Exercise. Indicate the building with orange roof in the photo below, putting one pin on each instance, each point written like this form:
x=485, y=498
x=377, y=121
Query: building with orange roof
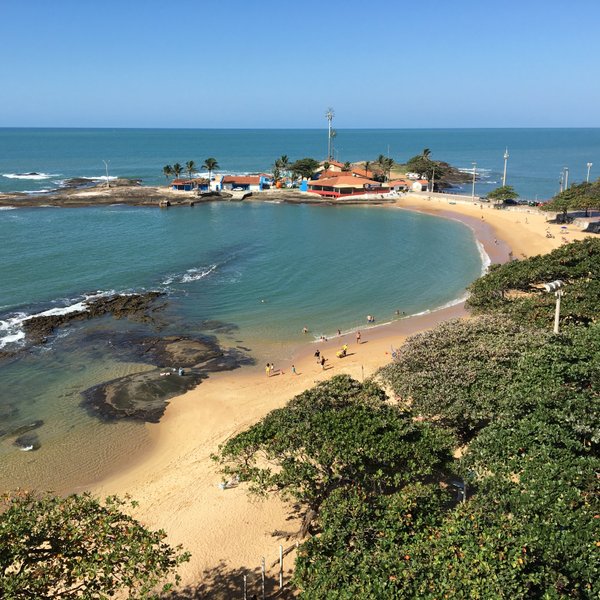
x=252, y=183
x=399, y=185
x=420, y=185
x=344, y=184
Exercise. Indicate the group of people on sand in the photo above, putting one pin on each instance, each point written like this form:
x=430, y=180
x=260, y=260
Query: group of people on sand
x=270, y=370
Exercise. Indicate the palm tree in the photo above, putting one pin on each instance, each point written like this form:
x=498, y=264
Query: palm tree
x=190, y=167
x=426, y=153
x=210, y=164
x=168, y=171
x=177, y=168
x=367, y=167
x=385, y=164
x=282, y=166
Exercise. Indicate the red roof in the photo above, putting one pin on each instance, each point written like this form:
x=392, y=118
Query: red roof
x=345, y=180
x=242, y=179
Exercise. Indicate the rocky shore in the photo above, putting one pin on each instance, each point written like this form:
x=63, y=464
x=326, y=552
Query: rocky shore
x=78, y=193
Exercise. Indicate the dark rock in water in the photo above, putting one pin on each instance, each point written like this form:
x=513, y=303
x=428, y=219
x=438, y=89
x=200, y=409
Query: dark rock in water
x=27, y=442
x=168, y=351
x=178, y=351
x=219, y=326
x=141, y=397
x=22, y=429
x=38, y=329
x=78, y=182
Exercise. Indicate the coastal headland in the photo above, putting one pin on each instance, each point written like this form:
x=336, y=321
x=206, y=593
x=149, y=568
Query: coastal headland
x=176, y=482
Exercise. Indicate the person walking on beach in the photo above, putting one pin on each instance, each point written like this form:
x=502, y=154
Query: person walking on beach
x=358, y=337
x=294, y=370
x=323, y=363
x=318, y=356
x=268, y=369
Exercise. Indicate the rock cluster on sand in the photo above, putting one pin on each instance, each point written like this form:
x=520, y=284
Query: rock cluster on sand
x=144, y=396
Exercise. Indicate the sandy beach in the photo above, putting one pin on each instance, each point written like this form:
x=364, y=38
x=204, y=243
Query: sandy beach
x=177, y=483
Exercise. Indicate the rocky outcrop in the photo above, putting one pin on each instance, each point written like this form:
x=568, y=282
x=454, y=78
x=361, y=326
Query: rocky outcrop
x=39, y=328
x=144, y=396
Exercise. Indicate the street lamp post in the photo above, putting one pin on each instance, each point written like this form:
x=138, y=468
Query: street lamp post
x=589, y=166
x=560, y=181
x=474, y=173
x=556, y=287
x=505, y=162
x=566, y=178
x=106, y=165
x=433, y=180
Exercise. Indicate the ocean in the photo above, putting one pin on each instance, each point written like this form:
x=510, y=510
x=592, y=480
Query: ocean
x=33, y=160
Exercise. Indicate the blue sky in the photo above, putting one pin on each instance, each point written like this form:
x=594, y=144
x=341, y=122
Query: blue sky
x=264, y=63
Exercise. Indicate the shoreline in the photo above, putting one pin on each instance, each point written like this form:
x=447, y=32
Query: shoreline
x=176, y=482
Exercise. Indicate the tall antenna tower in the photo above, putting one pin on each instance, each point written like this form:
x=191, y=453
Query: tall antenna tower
x=329, y=116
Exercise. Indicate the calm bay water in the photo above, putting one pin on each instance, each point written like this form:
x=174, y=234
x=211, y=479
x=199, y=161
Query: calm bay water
x=266, y=269
x=537, y=156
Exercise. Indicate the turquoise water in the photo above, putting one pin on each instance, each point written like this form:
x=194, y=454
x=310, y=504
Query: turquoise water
x=265, y=269
x=537, y=156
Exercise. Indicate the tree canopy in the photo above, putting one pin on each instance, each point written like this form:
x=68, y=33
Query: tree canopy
x=339, y=434
x=304, y=167
x=78, y=547
x=580, y=196
x=502, y=193
x=426, y=167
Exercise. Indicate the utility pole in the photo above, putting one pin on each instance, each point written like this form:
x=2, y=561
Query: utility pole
x=589, y=166
x=329, y=116
x=566, y=178
x=505, y=161
x=474, y=173
x=433, y=180
x=106, y=165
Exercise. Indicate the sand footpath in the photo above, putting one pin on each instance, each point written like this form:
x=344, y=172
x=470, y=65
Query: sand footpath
x=177, y=483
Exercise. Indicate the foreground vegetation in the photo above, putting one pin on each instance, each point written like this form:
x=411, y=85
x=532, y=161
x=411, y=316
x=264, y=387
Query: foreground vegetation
x=389, y=512
x=78, y=547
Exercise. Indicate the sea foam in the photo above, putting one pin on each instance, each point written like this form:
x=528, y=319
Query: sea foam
x=33, y=176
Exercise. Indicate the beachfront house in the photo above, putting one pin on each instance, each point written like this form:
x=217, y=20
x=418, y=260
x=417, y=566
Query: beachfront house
x=399, y=185
x=420, y=185
x=344, y=184
x=247, y=183
x=188, y=185
x=335, y=168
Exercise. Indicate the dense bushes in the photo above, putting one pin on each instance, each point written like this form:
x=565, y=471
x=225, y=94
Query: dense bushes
x=516, y=288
